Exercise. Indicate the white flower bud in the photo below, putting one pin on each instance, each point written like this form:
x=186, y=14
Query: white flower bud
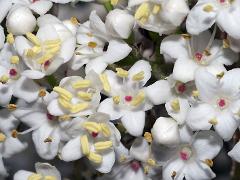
x=20, y=21
x=119, y=23
x=165, y=131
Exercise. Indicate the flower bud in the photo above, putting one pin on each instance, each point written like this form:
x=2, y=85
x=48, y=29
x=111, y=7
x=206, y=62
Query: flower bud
x=20, y=21
x=165, y=131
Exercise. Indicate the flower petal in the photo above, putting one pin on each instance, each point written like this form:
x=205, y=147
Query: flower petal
x=234, y=153
x=140, y=149
x=12, y=146
x=22, y=175
x=41, y=7
x=46, y=169
x=2, y=37
x=7, y=121
x=174, y=165
x=33, y=74
x=108, y=159
x=5, y=6
x=6, y=92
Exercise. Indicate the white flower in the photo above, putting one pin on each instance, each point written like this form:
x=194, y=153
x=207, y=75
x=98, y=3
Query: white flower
x=44, y=52
x=218, y=103
x=235, y=152
x=43, y=171
x=127, y=100
x=95, y=138
x=193, y=52
x=100, y=44
x=205, y=13
x=234, y=44
x=76, y=96
x=162, y=16
x=191, y=159
x=2, y=37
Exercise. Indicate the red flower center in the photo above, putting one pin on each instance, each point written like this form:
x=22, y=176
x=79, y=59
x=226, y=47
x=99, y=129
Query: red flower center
x=33, y=1
x=94, y=134
x=198, y=56
x=135, y=165
x=13, y=72
x=181, y=88
x=46, y=64
x=128, y=98
x=222, y=1
x=50, y=117
x=221, y=103
x=184, y=156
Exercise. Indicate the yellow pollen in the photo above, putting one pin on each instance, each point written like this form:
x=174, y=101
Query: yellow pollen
x=142, y=13
x=175, y=105
x=85, y=145
x=220, y=75
x=226, y=43
x=79, y=107
x=122, y=158
x=12, y=107
x=74, y=21
x=14, y=133
x=137, y=100
x=64, y=117
x=48, y=140
x=30, y=53
x=209, y=162
x=96, y=158
x=116, y=99
x=81, y=84
x=34, y=39
x=44, y=58
x=50, y=178
x=139, y=76
x=89, y=34
x=148, y=137
x=92, y=126
x=213, y=121
x=208, y=8
x=2, y=137
x=37, y=49
x=207, y=52
x=53, y=50
x=64, y=103
x=156, y=9
x=105, y=82
x=4, y=79
x=121, y=72
x=42, y=92
x=114, y=2
x=52, y=43
x=173, y=175
x=92, y=44
x=10, y=38
x=105, y=129
x=14, y=60
x=99, y=146
x=65, y=94
x=146, y=169
x=186, y=36
x=195, y=94
x=85, y=96
x=151, y=162
x=35, y=177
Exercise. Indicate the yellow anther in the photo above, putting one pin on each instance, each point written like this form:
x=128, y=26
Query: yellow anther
x=213, y=121
x=14, y=60
x=148, y=137
x=92, y=126
x=64, y=103
x=34, y=39
x=146, y=169
x=44, y=58
x=42, y=92
x=186, y=36
x=53, y=50
x=138, y=99
x=2, y=137
x=96, y=158
x=122, y=158
x=4, y=79
x=14, y=133
x=48, y=140
x=36, y=49
x=81, y=84
x=116, y=99
x=207, y=52
x=143, y=12
x=74, y=21
x=30, y=53
x=50, y=178
x=89, y=34
x=173, y=175
x=139, y=76
x=220, y=75
x=79, y=107
x=105, y=82
x=54, y=42
x=208, y=8
x=85, y=145
x=65, y=94
x=12, y=106
x=104, y=145
x=209, y=162
x=92, y=44
x=195, y=94
x=114, y=2
x=156, y=9
x=121, y=72
x=64, y=118
x=105, y=129
x=10, y=38
x=226, y=43
x=35, y=177
x=175, y=105
x=85, y=96
x=151, y=162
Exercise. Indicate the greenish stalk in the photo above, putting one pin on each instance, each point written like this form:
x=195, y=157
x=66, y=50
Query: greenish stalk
x=108, y=6
x=52, y=81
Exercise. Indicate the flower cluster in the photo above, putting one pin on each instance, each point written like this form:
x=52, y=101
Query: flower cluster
x=151, y=90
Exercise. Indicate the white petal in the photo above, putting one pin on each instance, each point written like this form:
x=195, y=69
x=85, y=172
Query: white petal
x=96, y=65
x=32, y=74
x=41, y=7
x=46, y=169
x=26, y=89
x=7, y=121
x=135, y=2
x=6, y=92
x=12, y=146
x=207, y=140
x=234, y=44
x=96, y=23
x=3, y=171
x=140, y=149
x=22, y=175
x=5, y=6
x=47, y=32
x=173, y=165
x=159, y=92
x=226, y=125
x=67, y=49
x=47, y=19
x=2, y=37
x=199, y=115
x=165, y=131
x=46, y=150
x=108, y=159
x=235, y=152
x=199, y=20
x=72, y=150
x=134, y=122
x=21, y=43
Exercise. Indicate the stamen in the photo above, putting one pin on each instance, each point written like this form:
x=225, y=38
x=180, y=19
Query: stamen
x=208, y=8
x=213, y=121
x=14, y=133
x=45, y=58
x=138, y=99
x=74, y=21
x=175, y=105
x=10, y=38
x=104, y=145
x=64, y=118
x=92, y=44
x=139, y=76
x=220, y=75
x=2, y=137
x=14, y=60
x=148, y=137
x=142, y=13
x=12, y=107
x=116, y=99
x=84, y=145
x=42, y=92
x=30, y=53
x=156, y=9
x=35, y=177
x=65, y=94
x=209, y=162
x=48, y=140
x=226, y=43
x=50, y=178
x=54, y=42
x=146, y=169
x=85, y=96
x=105, y=82
x=195, y=94
x=173, y=175
x=121, y=72
x=79, y=107
x=4, y=79
x=64, y=103
x=34, y=39
x=36, y=49
x=151, y=162
x=92, y=126
x=114, y=2
x=96, y=158
x=81, y=84
x=105, y=129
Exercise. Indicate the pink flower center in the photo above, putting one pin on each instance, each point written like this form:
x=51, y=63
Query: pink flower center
x=184, y=156
x=13, y=72
x=222, y=103
x=198, y=56
x=222, y=1
x=128, y=98
x=181, y=88
x=46, y=64
x=33, y=1
x=94, y=134
x=135, y=165
x=185, y=153
x=50, y=117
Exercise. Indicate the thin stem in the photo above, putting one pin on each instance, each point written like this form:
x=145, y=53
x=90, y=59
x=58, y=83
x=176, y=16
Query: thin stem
x=108, y=6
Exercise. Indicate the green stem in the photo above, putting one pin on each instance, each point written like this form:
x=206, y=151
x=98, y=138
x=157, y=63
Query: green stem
x=108, y=6
x=52, y=81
